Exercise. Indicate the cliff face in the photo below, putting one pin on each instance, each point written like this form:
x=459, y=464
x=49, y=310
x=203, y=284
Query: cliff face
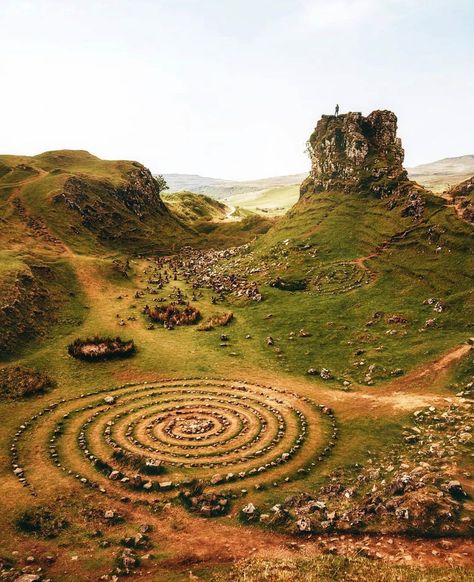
x=352, y=153
x=138, y=194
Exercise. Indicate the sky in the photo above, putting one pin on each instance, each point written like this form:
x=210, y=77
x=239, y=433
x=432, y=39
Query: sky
x=231, y=88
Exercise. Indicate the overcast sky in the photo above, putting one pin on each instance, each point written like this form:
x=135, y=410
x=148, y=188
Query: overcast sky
x=231, y=88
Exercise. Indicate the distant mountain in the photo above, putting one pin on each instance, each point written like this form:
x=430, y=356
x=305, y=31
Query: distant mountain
x=443, y=174
x=277, y=194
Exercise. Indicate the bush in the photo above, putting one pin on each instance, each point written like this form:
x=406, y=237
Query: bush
x=219, y=320
x=41, y=522
x=19, y=382
x=289, y=285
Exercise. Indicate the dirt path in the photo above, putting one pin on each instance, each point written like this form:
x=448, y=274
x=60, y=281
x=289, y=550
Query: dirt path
x=425, y=375
x=199, y=543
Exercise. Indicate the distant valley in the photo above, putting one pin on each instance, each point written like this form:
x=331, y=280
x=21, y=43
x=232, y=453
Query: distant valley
x=275, y=195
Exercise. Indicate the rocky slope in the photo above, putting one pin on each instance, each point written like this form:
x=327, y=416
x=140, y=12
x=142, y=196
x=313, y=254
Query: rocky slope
x=34, y=297
x=87, y=203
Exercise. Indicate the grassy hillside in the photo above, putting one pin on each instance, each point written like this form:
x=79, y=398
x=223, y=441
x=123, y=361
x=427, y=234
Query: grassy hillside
x=355, y=259
x=215, y=224
x=87, y=204
x=271, y=202
x=191, y=207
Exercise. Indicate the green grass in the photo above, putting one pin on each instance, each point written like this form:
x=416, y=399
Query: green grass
x=271, y=201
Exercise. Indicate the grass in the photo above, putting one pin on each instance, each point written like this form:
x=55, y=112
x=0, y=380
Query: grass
x=338, y=569
x=89, y=297
x=270, y=201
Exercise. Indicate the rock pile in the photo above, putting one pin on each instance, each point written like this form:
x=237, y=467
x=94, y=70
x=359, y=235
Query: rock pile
x=207, y=269
x=411, y=490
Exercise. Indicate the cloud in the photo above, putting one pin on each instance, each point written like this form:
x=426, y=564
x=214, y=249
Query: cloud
x=330, y=14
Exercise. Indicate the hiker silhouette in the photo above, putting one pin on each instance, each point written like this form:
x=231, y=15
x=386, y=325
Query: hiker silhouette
x=337, y=110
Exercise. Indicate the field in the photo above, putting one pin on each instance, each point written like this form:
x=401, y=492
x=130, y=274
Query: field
x=273, y=201
x=169, y=463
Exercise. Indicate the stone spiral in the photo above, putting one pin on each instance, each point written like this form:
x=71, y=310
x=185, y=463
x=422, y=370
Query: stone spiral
x=134, y=440
x=341, y=277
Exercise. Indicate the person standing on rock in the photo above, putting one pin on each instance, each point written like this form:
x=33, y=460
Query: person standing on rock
x=337, y=110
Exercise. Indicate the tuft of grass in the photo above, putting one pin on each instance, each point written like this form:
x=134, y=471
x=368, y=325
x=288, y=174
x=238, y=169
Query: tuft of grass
x=42, y=522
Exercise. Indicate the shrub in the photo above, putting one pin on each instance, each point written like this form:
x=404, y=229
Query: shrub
x=171, y=315
x=41, y=522
x=19, y=382
x=289, y=285
x=218, y=320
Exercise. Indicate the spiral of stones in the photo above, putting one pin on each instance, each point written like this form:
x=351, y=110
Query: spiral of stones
x=156, y=437
x=340, y=277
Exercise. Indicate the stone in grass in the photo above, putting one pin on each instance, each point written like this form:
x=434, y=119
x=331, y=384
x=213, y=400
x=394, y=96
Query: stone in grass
x=249, y=509
x=249, y=513
x=312, y=372
x=455, y=489
x=303, y=524
x=325, y=374
x=216, y=479
x=127, y=561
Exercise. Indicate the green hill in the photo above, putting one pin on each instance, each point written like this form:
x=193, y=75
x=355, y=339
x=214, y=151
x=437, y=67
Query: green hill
x=348, y=262
x=88, y=204
x=192, y=207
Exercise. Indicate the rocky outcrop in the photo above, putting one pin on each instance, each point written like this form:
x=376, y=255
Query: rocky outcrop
x=140, y=193
x=351, y=153
x=123, y=211
x=463, y=197
x=104, y=206
x=25, y=309
x=465, y=188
